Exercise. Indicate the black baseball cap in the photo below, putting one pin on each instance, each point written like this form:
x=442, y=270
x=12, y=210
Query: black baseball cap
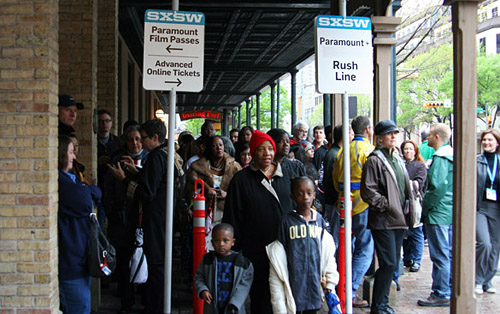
x=385, y=126
x=68, y=101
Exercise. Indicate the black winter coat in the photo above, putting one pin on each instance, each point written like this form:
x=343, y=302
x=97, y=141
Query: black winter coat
x=151, y=191
x=254, y=210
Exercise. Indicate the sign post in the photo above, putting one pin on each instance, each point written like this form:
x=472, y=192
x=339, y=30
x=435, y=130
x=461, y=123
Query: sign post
x=173, y=60
x=344, y=64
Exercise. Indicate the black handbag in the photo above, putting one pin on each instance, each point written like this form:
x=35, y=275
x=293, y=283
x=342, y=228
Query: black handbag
x=101, y=255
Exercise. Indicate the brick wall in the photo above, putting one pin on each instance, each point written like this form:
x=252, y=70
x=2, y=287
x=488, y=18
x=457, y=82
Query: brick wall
x=107, y=62
x=28, y=156
x=78, y=71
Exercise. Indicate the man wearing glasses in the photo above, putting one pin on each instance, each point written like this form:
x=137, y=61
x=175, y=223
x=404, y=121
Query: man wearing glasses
x=107, y=146
x=299, y=130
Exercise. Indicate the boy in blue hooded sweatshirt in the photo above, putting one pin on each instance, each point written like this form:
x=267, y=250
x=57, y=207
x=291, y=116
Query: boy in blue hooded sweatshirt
x=302, y=258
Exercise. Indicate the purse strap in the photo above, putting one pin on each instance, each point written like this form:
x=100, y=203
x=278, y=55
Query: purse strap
x=140, y=214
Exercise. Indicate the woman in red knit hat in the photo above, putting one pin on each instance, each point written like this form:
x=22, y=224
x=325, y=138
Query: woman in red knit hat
x=257, y=198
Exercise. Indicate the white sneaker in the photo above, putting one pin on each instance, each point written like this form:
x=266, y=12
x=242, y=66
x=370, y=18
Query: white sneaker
x=478, y=289
x=491, y=290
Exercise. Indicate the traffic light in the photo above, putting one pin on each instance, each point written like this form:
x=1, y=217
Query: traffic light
x=489, y=120
x=433, y=104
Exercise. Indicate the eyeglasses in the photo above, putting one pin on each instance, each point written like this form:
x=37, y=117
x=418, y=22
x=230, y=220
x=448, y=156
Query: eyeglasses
x=105, y=121
x=145, y=137
x=302, y=131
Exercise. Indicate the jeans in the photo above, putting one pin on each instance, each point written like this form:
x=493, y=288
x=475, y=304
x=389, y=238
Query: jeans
x=363, y=247
x=333, y=217
x=413, y=246
x=388, y=244
x=362, y=255
x=440, y=239
x=487, y=245
x=74, y=295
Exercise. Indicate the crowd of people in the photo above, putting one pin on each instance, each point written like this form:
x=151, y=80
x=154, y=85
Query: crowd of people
x=272, y=211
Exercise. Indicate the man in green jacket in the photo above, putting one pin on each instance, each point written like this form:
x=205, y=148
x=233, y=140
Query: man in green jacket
x=438, y=215
x=425, y=149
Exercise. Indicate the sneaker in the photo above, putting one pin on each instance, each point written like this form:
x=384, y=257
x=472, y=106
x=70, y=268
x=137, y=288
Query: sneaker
x=478, y=289
x=415, y=268
x=491, y=290
x=432, y=301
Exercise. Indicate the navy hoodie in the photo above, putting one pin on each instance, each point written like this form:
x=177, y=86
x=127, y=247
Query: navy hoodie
x=302, y=243
x=76, y=202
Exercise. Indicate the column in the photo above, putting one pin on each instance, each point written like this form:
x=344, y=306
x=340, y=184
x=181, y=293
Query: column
x=464, y=26
x=224, y=125
x=327, y=110
x=249, y=119
x=293, y=98
x=273, y=105
x=383, y=28
x=107, y=60
x=278, y=103
x=78, y=71
x=257, y=111
x=336, y=101
x=28, y=157
x=233, y=118
x=239, y=117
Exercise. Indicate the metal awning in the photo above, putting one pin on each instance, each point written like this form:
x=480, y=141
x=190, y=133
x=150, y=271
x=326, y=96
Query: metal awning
x=248, y=44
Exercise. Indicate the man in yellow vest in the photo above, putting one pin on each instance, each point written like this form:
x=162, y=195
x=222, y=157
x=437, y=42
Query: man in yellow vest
x=360, y=148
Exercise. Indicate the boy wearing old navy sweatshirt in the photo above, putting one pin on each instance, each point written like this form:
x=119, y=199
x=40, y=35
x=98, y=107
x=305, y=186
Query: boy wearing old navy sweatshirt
x=302, y=256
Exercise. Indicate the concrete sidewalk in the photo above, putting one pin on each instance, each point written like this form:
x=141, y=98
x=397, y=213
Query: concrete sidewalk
x=414, y=286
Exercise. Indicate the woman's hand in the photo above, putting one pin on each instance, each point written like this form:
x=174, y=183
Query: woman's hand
x=117, y=171
x=220, y=194
x=211, y=191
x=129, y=164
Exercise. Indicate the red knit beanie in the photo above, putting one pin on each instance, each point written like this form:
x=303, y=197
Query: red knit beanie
x=258, y=138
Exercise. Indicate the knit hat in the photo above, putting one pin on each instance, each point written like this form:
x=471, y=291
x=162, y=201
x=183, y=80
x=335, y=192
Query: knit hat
x=307, y=145
x=385, y=126
x=258, y=138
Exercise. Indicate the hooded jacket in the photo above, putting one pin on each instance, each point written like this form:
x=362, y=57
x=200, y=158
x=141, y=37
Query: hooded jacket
x=437, y=207
x=380, y=189
x=282, y=297
x=206, y=279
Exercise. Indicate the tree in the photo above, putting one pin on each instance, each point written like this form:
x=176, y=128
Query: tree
x=426, y=78
x=488, y=89
x=265, y=110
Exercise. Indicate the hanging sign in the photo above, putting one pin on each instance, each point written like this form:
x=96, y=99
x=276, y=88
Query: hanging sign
x=344, y=55
x=174, y=44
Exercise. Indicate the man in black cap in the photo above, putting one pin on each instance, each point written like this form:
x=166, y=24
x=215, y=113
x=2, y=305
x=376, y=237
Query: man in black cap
x=67, y=114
